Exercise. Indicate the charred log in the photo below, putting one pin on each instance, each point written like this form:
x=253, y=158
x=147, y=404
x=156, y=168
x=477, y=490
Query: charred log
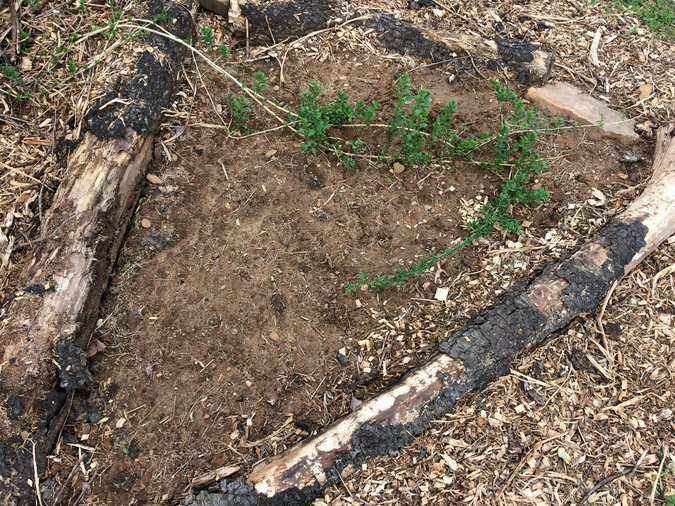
x=481, y=352
x=273, y=22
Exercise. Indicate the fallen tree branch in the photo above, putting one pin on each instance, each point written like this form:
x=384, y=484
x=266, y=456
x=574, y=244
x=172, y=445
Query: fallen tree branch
x=45, y=332
x=530, y=61
x=481, y=352
x=275, y=21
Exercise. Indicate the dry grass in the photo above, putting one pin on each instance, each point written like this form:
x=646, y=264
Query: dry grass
x=67, y=57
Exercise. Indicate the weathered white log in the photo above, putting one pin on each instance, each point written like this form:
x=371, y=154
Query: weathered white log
x=475, y=355
x=48, y=322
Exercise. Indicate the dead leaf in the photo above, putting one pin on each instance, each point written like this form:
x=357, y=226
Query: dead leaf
x=598, y=199
x=645, y=90
x=154, y=179
x=95, y=347
x=26, y=64
x=450, y=462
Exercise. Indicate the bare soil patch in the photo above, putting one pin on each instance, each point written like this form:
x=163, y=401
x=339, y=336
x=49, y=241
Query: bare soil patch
x=228, y=333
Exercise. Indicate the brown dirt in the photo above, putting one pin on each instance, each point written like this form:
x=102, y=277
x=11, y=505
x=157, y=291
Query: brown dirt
x=223, y=323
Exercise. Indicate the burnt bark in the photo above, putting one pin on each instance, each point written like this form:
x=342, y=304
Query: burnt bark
x=479, y=353
x=45, y=331
x=272, y=22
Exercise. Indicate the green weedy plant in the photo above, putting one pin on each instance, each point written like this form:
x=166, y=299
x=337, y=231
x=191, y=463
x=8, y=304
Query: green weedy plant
x=513, y=146
x=658, y=15
x=420, y=139
x=517, y=152
x=240, y=110
x=260, y=82
x=115, y=17
x=401, y=276
x=224, y=50
x=315, y=119
x=441, y=129
x=162, y=17
x=409, y=123
x=24, y=40
x=207, y=36
x=240, y=106
x=10, y=72
x=71, y=65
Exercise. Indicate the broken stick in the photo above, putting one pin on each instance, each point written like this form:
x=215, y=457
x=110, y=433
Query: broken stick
x=49, y=322
x=481, y=352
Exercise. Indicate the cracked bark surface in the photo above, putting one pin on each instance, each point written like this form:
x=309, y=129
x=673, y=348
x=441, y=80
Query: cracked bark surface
x=479, y=353
x=45, y=329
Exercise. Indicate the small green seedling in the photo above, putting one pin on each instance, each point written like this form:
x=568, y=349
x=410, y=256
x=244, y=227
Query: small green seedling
x=72, y=66
x=224, y=50
x=240, y=110
x=116, y=15
x=207, y=36
x=260, y=82
x=162, y=17
x=10, y=72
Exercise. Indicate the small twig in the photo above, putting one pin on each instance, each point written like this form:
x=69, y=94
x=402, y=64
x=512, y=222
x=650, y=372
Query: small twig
x=35, y=470
x=658, y=476
x=601, y=313
x=57, y=499
x=239, y=137
x=213, y=476
x=609, y=479
x=292, y=44
x=16, y=27
x=267, y=20
x=664, y=272
x=248, y=44
x=258, y=442
x=256, y=97
x=206, y=89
